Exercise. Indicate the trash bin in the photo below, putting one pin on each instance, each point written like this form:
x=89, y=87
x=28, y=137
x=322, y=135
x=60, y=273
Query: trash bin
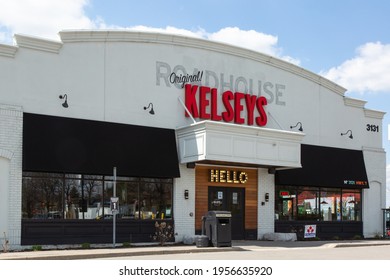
x=202, y=240
x=218, y=228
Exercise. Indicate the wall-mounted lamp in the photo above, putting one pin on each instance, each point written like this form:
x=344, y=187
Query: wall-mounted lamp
x=266, y=197
x=151, y=108
x=299, y=128
x=186, y=194
x=65, y=104
x=349, y=131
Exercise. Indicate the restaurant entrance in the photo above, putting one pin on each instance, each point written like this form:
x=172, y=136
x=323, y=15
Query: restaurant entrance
x=232, y=200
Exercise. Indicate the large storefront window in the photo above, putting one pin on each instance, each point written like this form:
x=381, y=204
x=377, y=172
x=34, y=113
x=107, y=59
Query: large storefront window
x=59, y=196
x=317, y=204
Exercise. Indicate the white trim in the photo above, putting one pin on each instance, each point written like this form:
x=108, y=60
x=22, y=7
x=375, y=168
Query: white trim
x=374, y=114
x=226, y=166
x=8, y=51
x=241, y=129
x=226, y=142
x=39, y=44
x=372, y=149
x=354, y=102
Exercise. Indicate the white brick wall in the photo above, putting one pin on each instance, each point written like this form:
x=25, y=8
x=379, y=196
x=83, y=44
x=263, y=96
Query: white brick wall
x=11, y=142
x=266, y=221
x=184, y=209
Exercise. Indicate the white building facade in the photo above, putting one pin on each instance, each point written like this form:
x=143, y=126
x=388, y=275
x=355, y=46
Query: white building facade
x=191, y=126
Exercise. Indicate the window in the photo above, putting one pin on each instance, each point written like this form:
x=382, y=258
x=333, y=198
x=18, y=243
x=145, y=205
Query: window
x=317, y=204
x=155, y=200
x=74, y=196
x=285, y=201
x=42, y=196
x=307, y=204
x=128, y=193
x=330, y=204
x=351, y=201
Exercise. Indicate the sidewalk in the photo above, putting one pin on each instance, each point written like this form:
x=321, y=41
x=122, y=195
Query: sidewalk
x=74, y=254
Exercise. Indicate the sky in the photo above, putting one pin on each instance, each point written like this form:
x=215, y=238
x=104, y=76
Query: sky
x=346, y=41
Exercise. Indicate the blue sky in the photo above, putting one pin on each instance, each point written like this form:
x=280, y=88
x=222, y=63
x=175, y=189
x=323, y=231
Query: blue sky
x=347, y=41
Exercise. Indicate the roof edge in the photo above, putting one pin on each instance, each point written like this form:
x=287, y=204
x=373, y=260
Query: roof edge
x=375, y=114
x=8, y=51
x=36, y=43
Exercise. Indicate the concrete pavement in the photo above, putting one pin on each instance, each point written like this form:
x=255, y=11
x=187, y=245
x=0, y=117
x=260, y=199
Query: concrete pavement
x=104, y=251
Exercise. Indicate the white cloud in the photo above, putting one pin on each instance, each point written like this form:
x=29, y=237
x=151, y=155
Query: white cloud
x=368, y=71
x=44, y=18
x=249, y=39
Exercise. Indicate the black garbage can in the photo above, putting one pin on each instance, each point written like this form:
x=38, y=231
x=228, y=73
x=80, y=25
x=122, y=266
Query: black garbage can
x=218, y=228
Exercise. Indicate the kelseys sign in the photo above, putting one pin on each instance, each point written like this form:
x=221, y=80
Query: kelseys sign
x=202, y=102
x=219, y=96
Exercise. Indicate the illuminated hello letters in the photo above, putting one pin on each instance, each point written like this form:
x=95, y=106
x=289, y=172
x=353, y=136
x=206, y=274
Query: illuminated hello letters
x=228, y=176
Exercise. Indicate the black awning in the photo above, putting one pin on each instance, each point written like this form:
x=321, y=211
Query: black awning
x=326, y=167
x=56, y=144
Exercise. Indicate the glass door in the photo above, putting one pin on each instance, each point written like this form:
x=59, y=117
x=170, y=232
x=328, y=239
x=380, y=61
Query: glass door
x=232, y=200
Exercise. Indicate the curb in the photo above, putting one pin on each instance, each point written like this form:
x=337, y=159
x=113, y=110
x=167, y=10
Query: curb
x=125, y=252
x=112, y=253
x=346, y=245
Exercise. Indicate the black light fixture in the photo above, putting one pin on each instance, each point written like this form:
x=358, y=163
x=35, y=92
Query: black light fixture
x=65, y=104
x=300, y=126
x=186, y=194
x=271, y=170
x=151, y=108
x=349, y=131
x=266, y=197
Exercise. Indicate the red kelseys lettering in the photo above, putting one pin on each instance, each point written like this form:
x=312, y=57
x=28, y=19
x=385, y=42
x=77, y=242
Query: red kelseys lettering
x=206, y=105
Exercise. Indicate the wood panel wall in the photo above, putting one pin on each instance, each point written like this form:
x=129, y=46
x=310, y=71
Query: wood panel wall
x=202, y=182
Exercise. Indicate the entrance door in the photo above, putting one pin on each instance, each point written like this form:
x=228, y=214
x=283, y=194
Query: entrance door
x=233, y=200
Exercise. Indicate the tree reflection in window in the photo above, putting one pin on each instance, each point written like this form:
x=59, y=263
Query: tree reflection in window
x=74, y=196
